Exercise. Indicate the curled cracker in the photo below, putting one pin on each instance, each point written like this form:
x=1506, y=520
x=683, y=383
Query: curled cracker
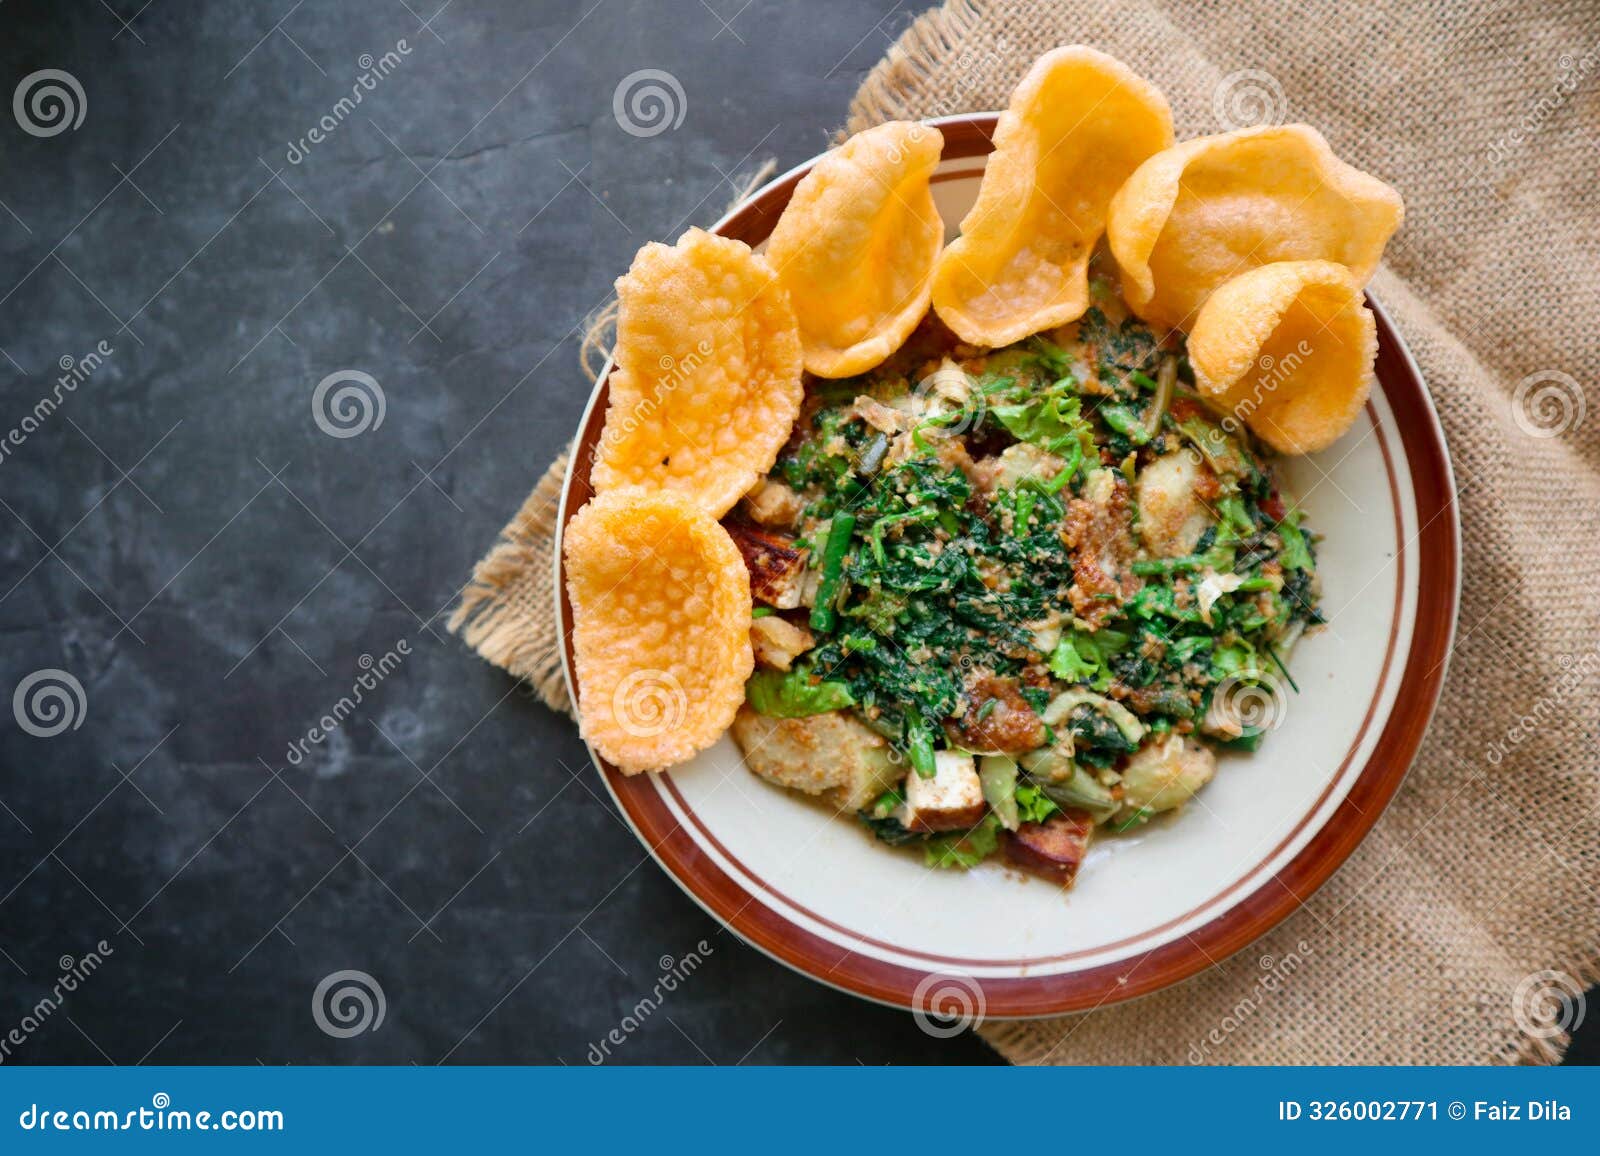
x=1211, y=208
x=661, y=627
x=1287, y=348
x=707, y=384
x=1077, y=125
x=856, y=246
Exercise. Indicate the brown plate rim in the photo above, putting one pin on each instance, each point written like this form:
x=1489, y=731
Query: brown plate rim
x=1435, y=546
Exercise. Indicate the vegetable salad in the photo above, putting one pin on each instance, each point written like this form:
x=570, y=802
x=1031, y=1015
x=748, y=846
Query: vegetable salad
x=1047, y=579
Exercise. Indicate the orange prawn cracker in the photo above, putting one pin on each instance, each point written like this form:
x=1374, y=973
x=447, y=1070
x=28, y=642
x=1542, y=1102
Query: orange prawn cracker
x=1077, y=125
x=707, y=384
x=661, y=627
x=1287, y=348
x=1217, y=206
x=856, y=245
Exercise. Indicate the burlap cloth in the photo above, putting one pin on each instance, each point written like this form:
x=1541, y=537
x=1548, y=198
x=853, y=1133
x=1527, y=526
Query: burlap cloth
x=1432, y=944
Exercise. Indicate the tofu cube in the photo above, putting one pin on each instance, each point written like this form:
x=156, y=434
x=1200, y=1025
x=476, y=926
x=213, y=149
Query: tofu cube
x=950, y=801
x=1053, y=849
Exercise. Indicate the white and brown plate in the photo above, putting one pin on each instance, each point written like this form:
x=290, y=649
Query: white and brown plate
x=1149, y=909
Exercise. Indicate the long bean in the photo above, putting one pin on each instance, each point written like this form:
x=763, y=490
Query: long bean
x=920, y=514
x=919, y=746
x=823, y=615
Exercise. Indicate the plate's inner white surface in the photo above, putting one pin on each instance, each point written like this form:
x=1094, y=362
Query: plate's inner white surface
x=799, y=859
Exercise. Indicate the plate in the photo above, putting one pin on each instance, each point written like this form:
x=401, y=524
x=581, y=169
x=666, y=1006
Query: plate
x=1149, y=909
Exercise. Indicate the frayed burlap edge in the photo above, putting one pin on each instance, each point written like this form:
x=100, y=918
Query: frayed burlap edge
x=905, y=72
x=507, y=612
x=1533, y=1049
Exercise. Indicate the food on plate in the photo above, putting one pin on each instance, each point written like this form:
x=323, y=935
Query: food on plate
x=1054, y=848
x=1287, y=348
x=1162, y=774
x=1034, y=583
x=1078, y=124
x=1209, y=209
x=707, y=381
x=777, y=568
x=832, y=755
x=856, y=245
x=1005, y=576
x=661, y=626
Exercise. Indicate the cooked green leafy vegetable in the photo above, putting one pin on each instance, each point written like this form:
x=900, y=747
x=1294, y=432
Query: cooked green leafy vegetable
x=995, y=569
x=1086, y=658
x=963, y=848
x=1033, y=805
x=794, y=694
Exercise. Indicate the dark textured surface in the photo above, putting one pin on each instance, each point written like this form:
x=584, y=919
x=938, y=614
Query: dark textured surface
x=215, y=601
x=183, y=539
